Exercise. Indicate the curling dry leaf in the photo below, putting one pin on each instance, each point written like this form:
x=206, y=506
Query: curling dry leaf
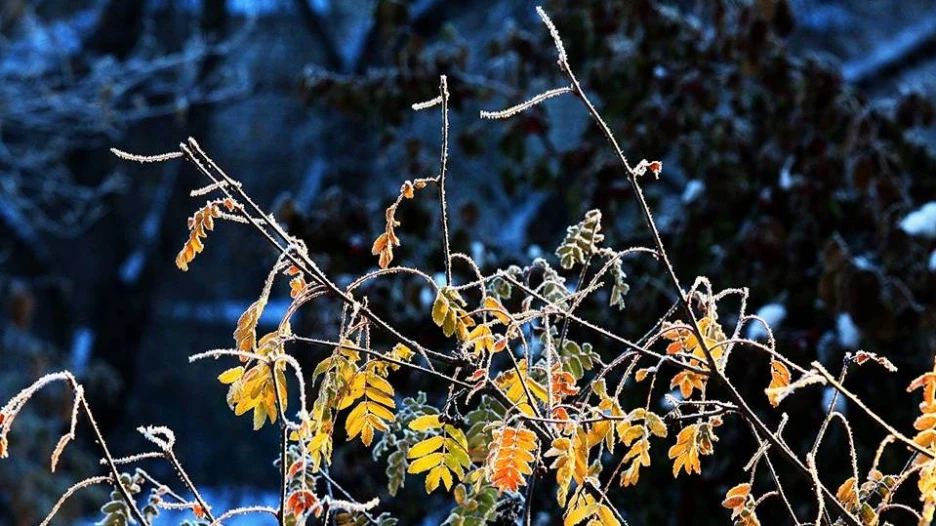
x=516, y=384
x=245, y=334
x=301, y=502
x=862, y=357
x=642, y=374
x=685, y=344
x=510, y=458
x=641, y=425
x=375, y=410
x=199, y=225
x=580, y=240
x=925, y=425
x=448, y=312
x=847, y=494
x=741, y=503
x=481, y=339
x=779, y=382
x=571, y=462
x=252, y=386
x=691, y=443
x=496, y=308
x=383, y=245
x=443, y=456
x=583, y=506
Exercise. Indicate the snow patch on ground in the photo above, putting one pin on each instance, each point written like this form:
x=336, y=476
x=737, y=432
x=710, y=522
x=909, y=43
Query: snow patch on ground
x=694, y=189
x=841, y=405
x=921, y=222
x=848, y=333
x=82, y=342
x=773, y=314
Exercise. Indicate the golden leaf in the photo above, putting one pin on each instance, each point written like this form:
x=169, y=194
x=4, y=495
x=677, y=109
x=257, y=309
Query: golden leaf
x=444, y=456
x=245, y=334
x=510, y=458
x=779, y=380
x=686, y=451
x=199, y=225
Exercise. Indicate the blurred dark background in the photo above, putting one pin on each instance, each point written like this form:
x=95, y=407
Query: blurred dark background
x=796, y=139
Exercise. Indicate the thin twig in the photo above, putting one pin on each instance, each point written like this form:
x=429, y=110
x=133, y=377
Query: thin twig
x=880, y=421
x=513, y=110
x=71, y=491
x=664, y=258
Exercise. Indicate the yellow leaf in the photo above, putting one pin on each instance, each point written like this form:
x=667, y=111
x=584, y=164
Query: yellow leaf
x=497, y=309
x=245, y=334
x=425, y=463
x=425, y=422
x=583, y=507
x=779, y=380
x=440, y=308
x=231, y=375
x=655, y=424
x=606, y=516
x=685, y=452
x=435, y=475
x=425, y=447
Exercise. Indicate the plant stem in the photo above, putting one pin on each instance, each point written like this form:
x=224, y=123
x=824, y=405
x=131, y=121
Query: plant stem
x=134, y=510
x=170, y=455
x=684, y=302
x=443, y=88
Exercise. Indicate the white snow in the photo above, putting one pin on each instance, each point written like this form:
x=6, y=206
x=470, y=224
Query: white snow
x=426, y=297
x=848, y=333
x=786, y=178
x=841, y=405
x=131, y=268
x=694, y=189
x=921, y=222
x=82, y=342
x=228, y=312
x=477, y=252
x=773, y=314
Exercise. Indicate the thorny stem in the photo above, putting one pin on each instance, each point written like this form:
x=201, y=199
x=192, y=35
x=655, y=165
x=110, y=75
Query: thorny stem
x=110, y=464
x=601, y=496
x=528, y=500
x=71, y=491
x=244, y=511
x=763, y=449
x=284, y=444
x=831, y=411
x=857, y=401
x=379, y=356
x=443, y=88
x=81, y=403
x=578, y=286
x=601, y=330
x=298, y=257
x=684, y=303
x=170, y=455
x=158, y=484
